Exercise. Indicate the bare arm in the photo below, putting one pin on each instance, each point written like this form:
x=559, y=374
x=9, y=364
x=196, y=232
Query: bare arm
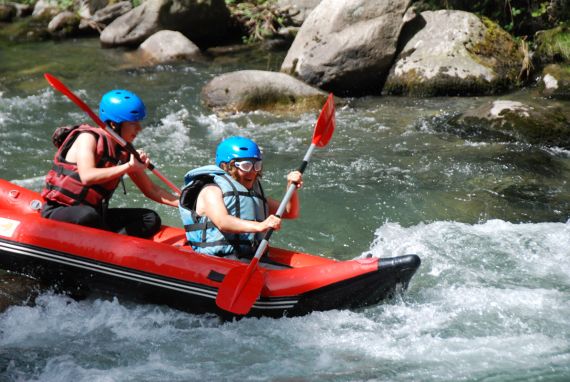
x=152, y=190
x=211, y=204
x=82, y=152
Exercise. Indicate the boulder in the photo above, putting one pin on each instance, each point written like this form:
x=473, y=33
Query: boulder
x=87, y=8
x=7, y=12
x=16, y=289
x=347, y=46
x=506, y=120
x=555, y=81
x=249, y=90
x=111, y=12
x=205, y=22
x=46, y=8
x=454, y=53
x=64, y=24
x=168, y=46
x=298, y=9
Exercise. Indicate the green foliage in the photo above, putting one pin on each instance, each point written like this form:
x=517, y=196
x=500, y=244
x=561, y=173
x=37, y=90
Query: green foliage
x=259, y=19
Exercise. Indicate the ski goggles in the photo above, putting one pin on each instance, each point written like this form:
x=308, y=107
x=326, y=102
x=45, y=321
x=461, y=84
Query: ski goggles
x=248, y=165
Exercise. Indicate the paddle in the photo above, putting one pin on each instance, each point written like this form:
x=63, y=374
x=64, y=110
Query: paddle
x=57, y=84
x=242, y=285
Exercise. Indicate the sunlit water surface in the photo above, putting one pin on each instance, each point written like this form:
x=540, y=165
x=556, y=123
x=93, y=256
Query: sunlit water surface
x=489, y=219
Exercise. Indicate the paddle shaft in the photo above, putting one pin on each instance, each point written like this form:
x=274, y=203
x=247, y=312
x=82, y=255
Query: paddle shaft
x=265, y=242
x=280, y=210
x=57, y=84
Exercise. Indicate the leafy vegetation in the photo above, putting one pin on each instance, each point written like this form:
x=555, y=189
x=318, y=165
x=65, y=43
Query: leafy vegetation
x=258, y=19
x=520, y=17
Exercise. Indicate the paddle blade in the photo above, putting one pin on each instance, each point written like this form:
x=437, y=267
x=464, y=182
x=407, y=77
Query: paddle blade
x=325, y=123
x=58, y=85
x=239, y=291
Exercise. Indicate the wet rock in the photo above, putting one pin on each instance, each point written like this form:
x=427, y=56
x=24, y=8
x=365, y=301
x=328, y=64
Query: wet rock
x=249, y=90
x=454, y=53
x=516, y=121
x=555, y=81
x=17, y=289
x=347, y=46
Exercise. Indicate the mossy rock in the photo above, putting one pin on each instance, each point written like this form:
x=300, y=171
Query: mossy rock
x=27, y=29
x=504, y=120
x=555, y=82
x=553, y=45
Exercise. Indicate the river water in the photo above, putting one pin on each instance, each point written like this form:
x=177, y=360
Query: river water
x=490, y=220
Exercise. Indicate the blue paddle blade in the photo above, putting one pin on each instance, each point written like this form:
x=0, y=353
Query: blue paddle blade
x=240, y=289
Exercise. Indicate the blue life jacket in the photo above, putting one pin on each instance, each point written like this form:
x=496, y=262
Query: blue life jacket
x=201, y=233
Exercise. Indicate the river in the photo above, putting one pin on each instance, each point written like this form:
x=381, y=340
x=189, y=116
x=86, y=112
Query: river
x=489, y=219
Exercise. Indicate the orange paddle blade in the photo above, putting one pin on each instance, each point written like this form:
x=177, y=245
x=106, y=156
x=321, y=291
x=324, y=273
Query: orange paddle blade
x=58, y=85
x=325, y=123
x=239, y=291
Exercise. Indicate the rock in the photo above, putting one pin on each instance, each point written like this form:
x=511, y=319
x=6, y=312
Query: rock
x=87, y=8
x=17, y=289
x=553, y=45
x=455, y=53
x=65, y=24
x=506, y=120
x=46, y=8
x=168, y=46
x=347, y=46
x=555, y=82
x=111, y=12
x=205, y=22
x=249, y=90
x=7, y=12
x=298, y=9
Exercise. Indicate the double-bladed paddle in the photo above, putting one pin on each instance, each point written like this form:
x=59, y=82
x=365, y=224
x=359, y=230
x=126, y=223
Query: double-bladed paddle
x=57, y=84
x=242, y=285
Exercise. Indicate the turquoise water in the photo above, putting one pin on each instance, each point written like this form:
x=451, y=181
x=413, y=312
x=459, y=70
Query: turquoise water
x=488, y=218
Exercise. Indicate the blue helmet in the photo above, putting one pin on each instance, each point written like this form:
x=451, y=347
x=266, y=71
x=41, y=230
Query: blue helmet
x=121, y=106
x=236, y=147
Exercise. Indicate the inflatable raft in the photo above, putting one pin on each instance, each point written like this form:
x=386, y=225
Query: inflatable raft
x=163, y=270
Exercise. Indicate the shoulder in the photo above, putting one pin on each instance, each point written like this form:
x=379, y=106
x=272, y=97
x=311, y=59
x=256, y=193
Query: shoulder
x=210, y=189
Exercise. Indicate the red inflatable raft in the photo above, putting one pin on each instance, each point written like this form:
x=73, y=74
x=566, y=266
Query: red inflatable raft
x=163, y=270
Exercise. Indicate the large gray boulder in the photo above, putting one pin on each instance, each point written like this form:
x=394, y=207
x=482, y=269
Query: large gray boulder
x=168, y=46
x=205, y=22
x=249, y=90
x=347, y=46
x=455, y=53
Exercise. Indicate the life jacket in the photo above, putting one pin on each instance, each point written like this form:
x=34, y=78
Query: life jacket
x=201, y=233
x=63, y=184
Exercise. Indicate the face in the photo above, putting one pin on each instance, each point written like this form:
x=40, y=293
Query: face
x=130, y=130
x=247, y=178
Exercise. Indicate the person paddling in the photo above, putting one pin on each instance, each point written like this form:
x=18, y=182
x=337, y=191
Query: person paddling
x=89, y=165
x=223, y=207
